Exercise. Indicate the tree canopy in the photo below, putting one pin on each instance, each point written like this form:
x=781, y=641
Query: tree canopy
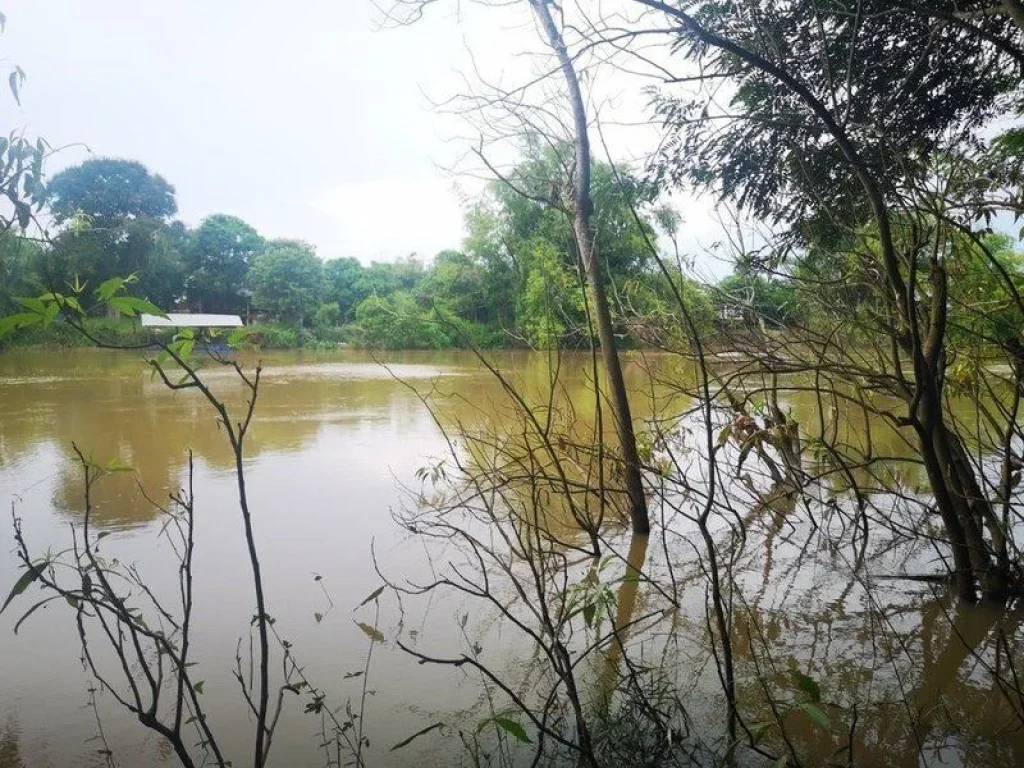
x=110, y=190
x=219, y=254
x=287, y=279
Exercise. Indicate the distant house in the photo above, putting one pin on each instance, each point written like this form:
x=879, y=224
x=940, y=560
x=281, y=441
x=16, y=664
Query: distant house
x=190, y=320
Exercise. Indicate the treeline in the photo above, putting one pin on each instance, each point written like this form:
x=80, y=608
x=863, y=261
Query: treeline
x=514, y=282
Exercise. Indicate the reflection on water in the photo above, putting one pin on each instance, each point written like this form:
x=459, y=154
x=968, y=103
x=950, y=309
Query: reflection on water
x=335, y=434
x=10, y=754
x=625, y=607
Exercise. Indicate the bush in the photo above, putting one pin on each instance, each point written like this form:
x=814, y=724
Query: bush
x=327, y=316
x=280, y=336
x=464, y=333
x=61, y=334
x=398, y=322
x=274, y=336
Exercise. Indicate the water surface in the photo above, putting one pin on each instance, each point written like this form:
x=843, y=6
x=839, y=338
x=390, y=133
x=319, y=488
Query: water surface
x=335, y=446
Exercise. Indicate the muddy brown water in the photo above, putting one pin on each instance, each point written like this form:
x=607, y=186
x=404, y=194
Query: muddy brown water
x=336, y=437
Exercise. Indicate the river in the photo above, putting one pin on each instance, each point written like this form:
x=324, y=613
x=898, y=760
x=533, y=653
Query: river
x=335, y=447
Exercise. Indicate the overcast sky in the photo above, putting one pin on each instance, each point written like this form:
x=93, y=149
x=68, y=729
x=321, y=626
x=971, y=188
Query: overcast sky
x=304, y=118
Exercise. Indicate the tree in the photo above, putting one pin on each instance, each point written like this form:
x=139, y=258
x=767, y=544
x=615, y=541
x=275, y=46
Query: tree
x=551, y=301
x=455, y=281
x=345, y=285
x=754, y=298
x=109, y=190
x=327, y=316
x=531, y=199
x=220, y=252
x=124, y=230
x=287, y=279
x=582, y=210
x=19, y=270
x=144, y=247
x=399, y=322
x=487, y=243
x=877, y=67
x=384, y=277
x=859, y=123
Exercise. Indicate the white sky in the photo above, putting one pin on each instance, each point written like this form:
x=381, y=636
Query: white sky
x=303, y=118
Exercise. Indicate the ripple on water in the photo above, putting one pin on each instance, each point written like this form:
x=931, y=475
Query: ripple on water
x=359, y=371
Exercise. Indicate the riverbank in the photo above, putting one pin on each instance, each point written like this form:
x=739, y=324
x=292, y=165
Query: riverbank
x=125, y=333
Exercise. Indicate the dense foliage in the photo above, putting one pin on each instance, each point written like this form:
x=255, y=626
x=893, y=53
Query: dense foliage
x=514, y=282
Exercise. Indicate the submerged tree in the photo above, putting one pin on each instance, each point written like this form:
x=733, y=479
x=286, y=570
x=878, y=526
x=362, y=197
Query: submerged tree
x=860, y=127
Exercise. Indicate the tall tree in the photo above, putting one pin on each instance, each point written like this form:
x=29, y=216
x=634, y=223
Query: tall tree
x=219, y=254
x=125, y=208
x=455, y=280
x=287, y=279
x=583, y=226
x=862, y=122
x=344, y=284
x=109, y=190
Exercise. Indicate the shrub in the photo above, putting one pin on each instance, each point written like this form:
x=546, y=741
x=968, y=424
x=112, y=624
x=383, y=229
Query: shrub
x=61, y=334
x=327, y=316
x=398, y=322
x=274, y=336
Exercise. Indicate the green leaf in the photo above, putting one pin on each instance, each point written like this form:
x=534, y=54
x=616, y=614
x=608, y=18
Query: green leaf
x=20, y=320
x=372, y=596
x=132, y=305
x=109, y=287
x=24, y=213
x=237, y=336
x=407, y=741
x=142, y=305
x=123, y=305
x=723, y=435
x=52, y=310
x=514, y=728
x=32, y=304
x=815, y=713
x=13, y=83
x=807, y=685
x=371, y=632
x=32, y=573
x=198, y=687
x=589, y=612
x=32, y=610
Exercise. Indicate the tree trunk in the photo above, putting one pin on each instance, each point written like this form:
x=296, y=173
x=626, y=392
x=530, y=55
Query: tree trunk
x=583, y=227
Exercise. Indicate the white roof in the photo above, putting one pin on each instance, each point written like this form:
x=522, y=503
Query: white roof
x=189, y=320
